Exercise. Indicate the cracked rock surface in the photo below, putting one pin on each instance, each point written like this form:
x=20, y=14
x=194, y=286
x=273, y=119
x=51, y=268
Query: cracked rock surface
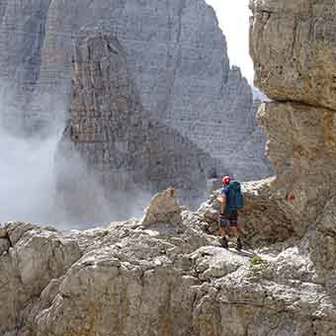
x=293, y=48
x=128, y=153
x=176, y=54
x=139, y=278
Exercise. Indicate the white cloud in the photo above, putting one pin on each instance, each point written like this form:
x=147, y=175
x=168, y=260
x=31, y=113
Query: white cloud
x=233, y=17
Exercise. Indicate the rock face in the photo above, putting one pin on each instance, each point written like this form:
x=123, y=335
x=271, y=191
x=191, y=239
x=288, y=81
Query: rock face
x=298, y=43
x=179, y=82
x=251, y=164
x=293, y=47
x=302, y=148
x=156, y=277
x=127, y=150
x=300, y=131
x=22, y=32
x=33, y=258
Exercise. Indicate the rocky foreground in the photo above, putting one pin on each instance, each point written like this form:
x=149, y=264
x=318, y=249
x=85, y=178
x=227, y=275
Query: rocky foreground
x=166, y=273
x=161, y=275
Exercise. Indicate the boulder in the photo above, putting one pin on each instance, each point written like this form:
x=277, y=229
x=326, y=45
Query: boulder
x=4, y=245
x=3, y=231
x=163, y=209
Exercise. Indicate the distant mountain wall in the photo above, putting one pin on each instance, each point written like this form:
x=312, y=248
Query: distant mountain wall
x=127, y=151
x=176, y=54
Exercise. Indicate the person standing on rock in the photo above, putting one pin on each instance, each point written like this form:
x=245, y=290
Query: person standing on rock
x=231, y=200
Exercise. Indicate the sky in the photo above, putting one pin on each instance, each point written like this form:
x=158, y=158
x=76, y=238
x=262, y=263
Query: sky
x=233, y=17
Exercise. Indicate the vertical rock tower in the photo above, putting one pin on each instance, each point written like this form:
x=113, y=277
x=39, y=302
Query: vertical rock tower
x=294, y=49
x=128, y=151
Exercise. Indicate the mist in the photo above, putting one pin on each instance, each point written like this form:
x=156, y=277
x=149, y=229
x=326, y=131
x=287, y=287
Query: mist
x=27, y=183
x=45, y=184
x=81, y=201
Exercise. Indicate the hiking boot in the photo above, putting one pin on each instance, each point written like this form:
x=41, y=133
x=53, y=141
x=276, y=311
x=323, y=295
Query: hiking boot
x=239, y=244
x=224, y=243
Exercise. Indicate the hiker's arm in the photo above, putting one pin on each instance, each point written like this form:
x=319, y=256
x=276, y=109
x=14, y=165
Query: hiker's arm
x=222, y=201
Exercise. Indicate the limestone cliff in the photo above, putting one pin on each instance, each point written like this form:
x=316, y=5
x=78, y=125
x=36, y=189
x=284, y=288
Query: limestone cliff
x=293, y=46
x=22, y=31
x=128, y=151
x=298, y=43
x=294, y=70
x=176, y=55
x=178, y=59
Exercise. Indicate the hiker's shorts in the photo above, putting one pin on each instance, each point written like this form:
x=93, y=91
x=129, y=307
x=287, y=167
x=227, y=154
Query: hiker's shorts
x=228, y=221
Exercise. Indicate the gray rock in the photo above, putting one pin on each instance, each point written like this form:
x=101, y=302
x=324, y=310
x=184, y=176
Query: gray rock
x=134, y=279
x=127, y=151
x=4, y=245
x=163, y=282
x=298, y=46
x=180, y=83
x=163, y=209
x=35, y=258
x=295, y=68
x=302, y=149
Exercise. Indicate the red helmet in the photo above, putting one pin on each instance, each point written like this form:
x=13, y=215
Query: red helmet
x=226, y=180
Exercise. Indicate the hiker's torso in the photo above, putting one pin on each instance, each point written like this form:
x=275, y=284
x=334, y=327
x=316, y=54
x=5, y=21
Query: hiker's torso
x=231, y=209
x=227, y=211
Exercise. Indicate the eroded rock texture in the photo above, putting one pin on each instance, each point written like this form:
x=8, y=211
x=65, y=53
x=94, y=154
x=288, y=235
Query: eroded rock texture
x=179, y=81
x=293, y=46
x=156, y=277
x=176, y=55
x=302, y=148
x=127, y=150
x=159, y=276
x=300, y=131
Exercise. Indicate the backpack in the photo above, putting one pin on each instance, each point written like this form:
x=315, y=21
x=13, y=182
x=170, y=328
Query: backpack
x=235, y=198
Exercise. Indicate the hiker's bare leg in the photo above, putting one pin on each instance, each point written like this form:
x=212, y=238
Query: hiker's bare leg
x=223, y=232
x=236, y=232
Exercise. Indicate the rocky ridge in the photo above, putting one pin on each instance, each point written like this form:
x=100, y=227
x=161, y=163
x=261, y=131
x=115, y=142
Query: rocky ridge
x=159, y=275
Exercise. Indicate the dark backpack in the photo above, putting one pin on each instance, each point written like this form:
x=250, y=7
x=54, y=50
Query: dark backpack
x=235, y=198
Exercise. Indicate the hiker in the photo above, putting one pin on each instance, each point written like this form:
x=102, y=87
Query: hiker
x=231, y=200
